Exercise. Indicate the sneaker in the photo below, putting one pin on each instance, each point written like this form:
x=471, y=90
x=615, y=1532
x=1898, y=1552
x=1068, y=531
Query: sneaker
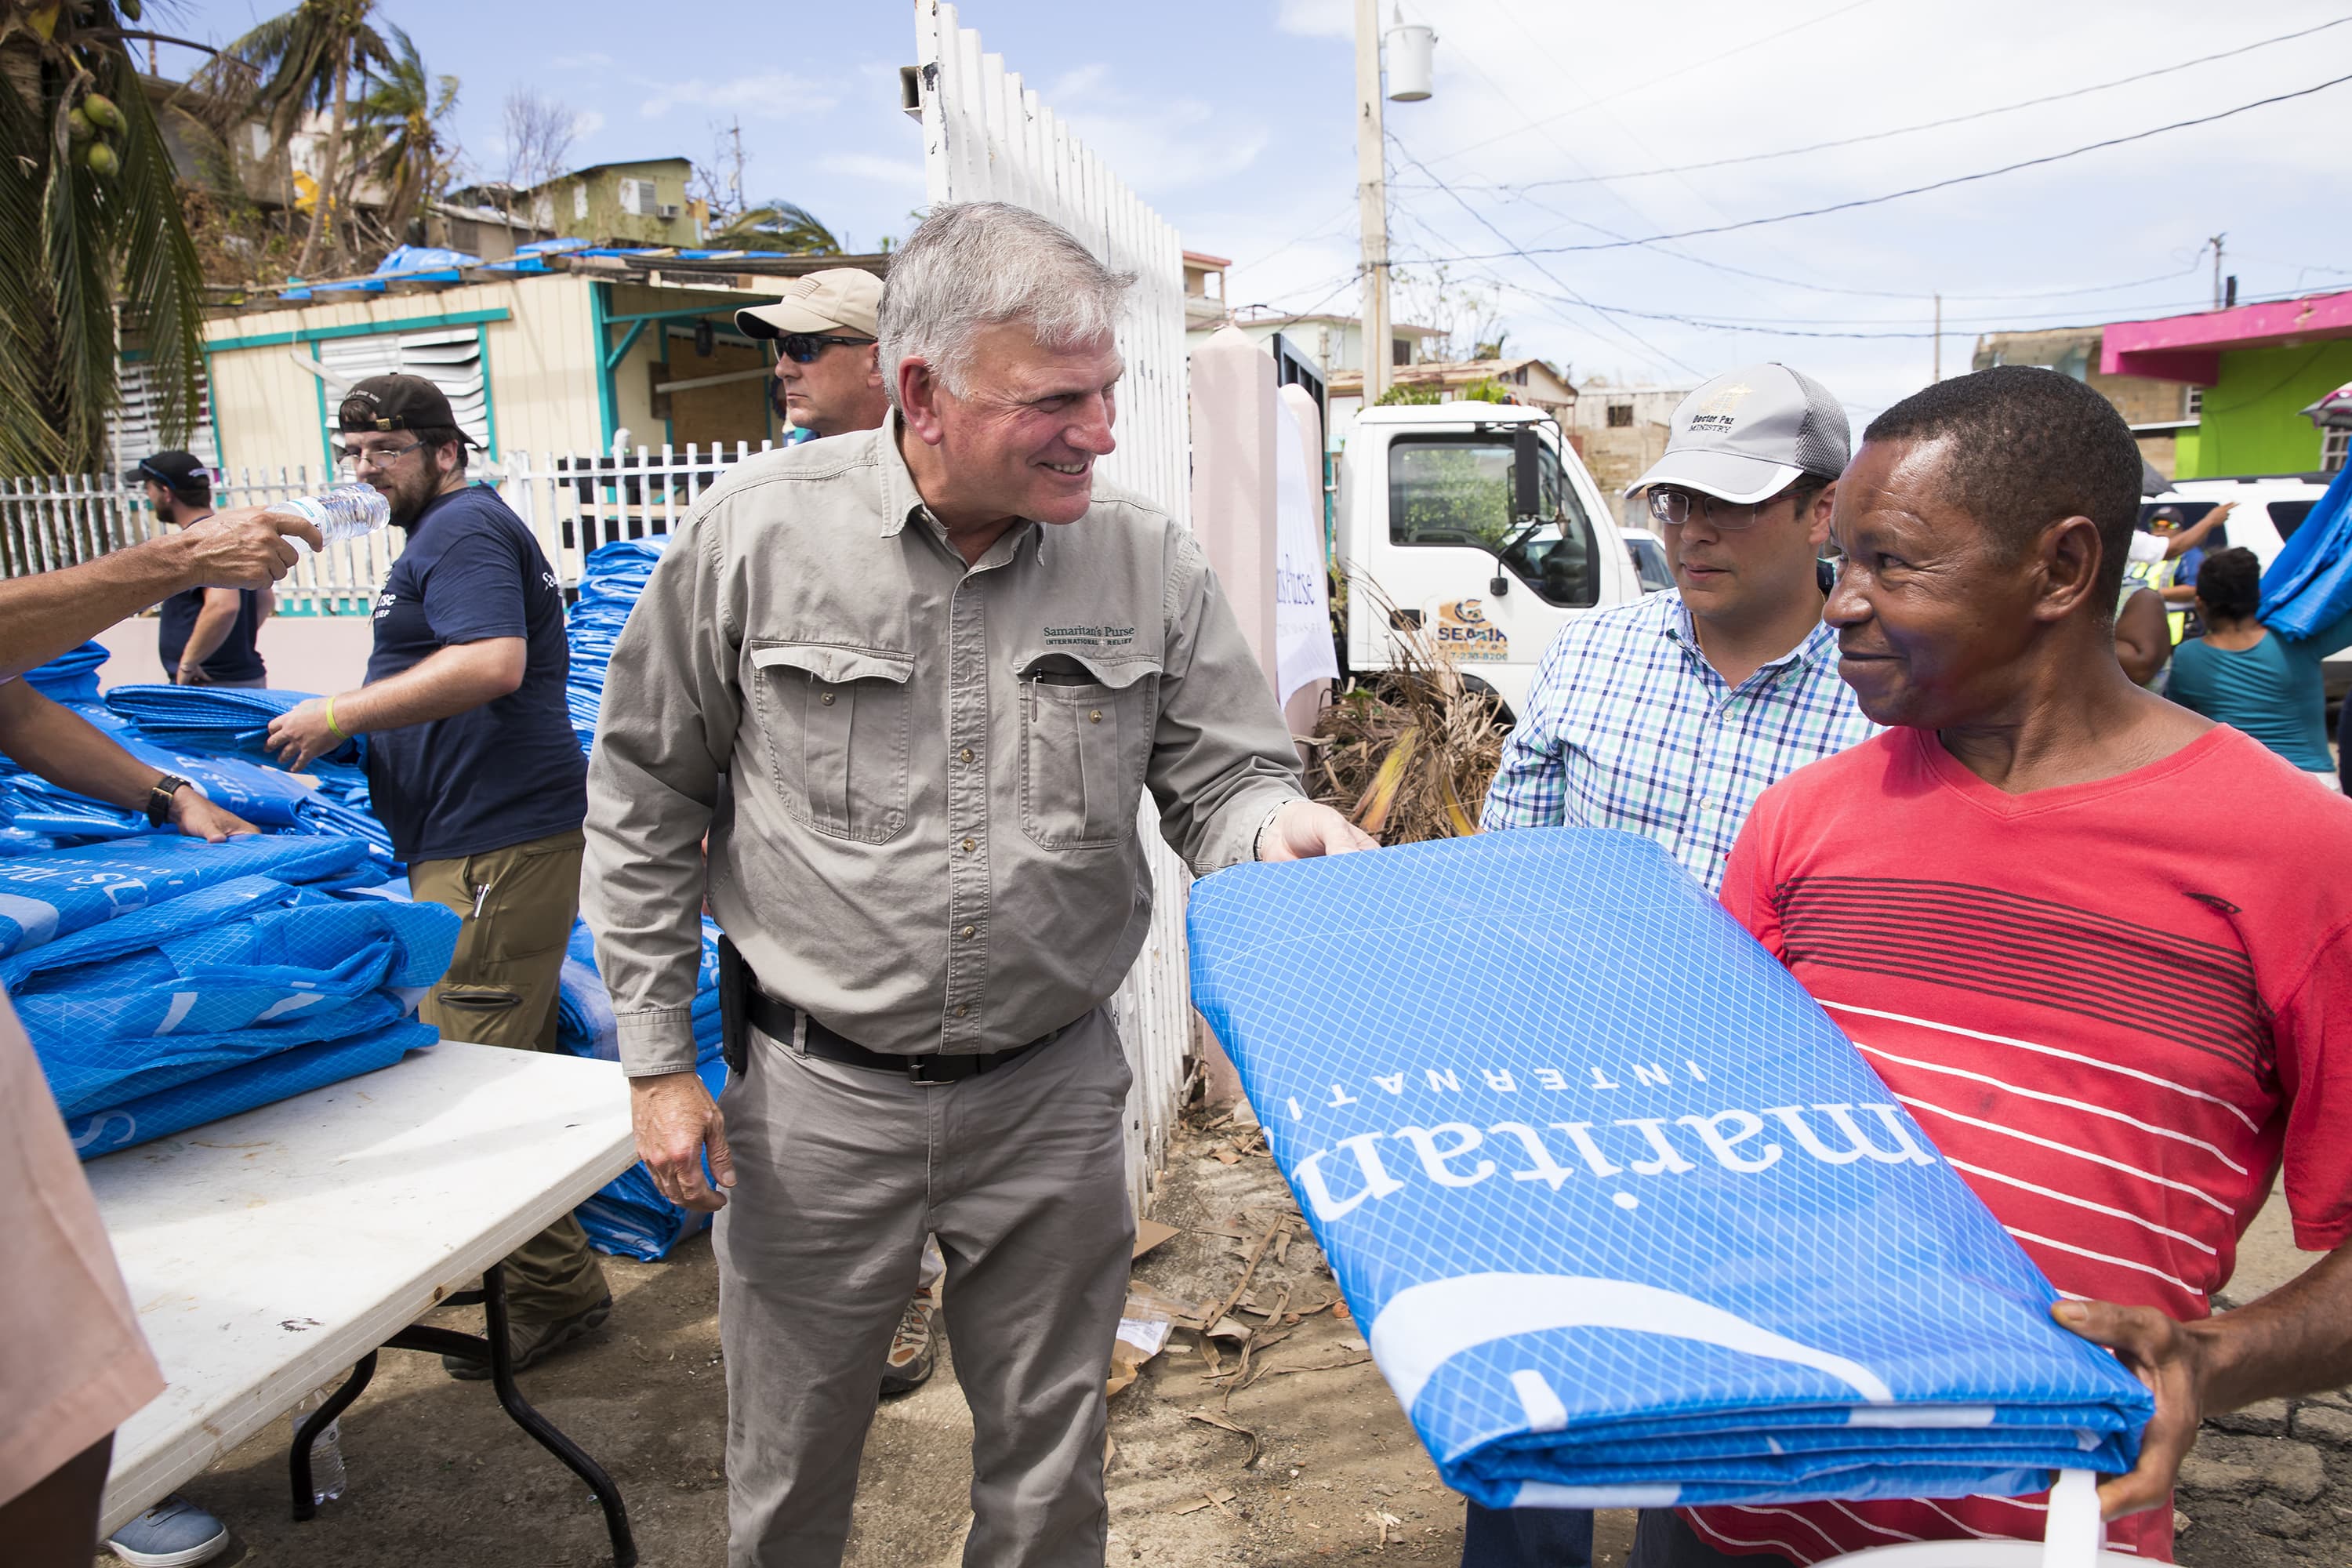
x=175, y=1533
x=532, y=1342
x=910, y=1358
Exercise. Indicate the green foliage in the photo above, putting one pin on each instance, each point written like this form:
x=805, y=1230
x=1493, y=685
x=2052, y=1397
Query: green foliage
x=399, y=131
x=1489, y=390
x=1444, y=492
x=77, y=242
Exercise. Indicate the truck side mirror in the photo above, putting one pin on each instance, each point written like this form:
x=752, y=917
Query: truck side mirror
x=1497, y=585
x=1526, y=472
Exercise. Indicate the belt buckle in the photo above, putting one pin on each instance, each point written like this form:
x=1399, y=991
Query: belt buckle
x=917, y=1069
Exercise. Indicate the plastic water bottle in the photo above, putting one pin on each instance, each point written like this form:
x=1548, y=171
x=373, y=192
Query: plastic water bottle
x=346, y=511
x=326, y=1448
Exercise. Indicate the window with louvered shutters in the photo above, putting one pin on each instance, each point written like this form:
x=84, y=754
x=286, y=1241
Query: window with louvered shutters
x=137, y=433
x=449, y=357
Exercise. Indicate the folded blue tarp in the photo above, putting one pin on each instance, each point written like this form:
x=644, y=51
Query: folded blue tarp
x=612, y=580
x=220, y=718
x=70, y=677
x=264, y=1081
x=2308, y=586
x=278, y=970
x=43, y=897
x=1626, y=1219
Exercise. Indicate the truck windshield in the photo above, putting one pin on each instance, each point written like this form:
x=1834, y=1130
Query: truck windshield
x=1457, y=491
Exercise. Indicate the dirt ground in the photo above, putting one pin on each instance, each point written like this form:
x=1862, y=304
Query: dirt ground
x=1299, y=1457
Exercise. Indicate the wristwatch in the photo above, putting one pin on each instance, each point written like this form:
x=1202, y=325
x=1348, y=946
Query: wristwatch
x=159, y=798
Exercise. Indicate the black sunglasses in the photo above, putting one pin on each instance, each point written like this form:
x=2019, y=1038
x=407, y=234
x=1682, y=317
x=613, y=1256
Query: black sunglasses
x=802, y=348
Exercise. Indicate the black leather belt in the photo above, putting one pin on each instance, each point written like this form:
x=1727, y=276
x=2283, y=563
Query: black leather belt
x=778, y=1020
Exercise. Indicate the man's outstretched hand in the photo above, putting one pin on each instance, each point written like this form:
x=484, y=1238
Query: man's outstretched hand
x=675, y=1119
x=1307, y=829
x=246, y=547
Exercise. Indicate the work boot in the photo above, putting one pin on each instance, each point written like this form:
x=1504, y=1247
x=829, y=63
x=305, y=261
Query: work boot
x=532, y=1342
x=910, y=1358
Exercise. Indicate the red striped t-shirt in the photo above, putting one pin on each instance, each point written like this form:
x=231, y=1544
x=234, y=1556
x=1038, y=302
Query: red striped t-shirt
x=2111, y=1005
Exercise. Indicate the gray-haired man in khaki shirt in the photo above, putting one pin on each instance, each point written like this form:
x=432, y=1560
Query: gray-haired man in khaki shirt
x=940, y=667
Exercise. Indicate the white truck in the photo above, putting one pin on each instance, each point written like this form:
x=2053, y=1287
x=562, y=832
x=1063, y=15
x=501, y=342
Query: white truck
x=1479, y=524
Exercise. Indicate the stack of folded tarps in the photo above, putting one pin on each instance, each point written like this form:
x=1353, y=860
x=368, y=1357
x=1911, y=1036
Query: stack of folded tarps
x=629, y=1215
x=1626, y=1219
x=611, y=580
x=232, y=725
x=166, y=983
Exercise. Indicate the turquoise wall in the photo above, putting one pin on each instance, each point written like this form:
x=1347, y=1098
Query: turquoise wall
x=2251, y=423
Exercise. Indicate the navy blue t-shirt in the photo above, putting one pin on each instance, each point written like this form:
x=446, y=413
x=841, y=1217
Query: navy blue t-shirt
x=236, y=659
x=509, y=771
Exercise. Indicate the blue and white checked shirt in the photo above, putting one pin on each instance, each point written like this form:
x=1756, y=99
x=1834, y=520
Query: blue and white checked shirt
x=1628, y=726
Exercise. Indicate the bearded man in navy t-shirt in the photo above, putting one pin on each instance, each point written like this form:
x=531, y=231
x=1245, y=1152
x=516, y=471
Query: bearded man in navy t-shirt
x=474, y=771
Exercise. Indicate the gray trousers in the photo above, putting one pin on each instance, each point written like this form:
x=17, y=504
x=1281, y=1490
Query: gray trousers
x=840, y=1174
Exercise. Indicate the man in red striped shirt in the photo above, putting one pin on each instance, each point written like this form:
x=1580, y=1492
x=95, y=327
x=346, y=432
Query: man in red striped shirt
x=2101, y=947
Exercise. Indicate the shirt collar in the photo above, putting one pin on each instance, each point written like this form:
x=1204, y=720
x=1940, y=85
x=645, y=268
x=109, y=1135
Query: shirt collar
x=1819, y=644
x=902, y=503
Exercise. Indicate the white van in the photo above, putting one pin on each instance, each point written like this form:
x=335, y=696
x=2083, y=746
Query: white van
x=1478, y=522
x=2270, y=508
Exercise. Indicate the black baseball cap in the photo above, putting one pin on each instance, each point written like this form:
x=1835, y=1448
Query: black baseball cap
x=173, y=470
x=396, y=403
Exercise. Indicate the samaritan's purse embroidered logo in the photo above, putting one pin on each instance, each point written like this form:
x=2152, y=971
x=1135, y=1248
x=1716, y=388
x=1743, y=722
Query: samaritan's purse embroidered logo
x=1089, y=636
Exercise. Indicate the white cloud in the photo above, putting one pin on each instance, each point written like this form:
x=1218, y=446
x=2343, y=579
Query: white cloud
x=1155, y=144
x=590, y=60
x=765, y=95
x=587, y=123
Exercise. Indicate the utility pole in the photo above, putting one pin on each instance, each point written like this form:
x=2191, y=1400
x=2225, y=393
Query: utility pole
x=1939, y=337
x=2216, y=243
x=1371, y=191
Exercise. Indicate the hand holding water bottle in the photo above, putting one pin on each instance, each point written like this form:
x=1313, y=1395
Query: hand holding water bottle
x=345, y=511
x=244, y=547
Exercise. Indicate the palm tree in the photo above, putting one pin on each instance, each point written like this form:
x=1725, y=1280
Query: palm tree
x=300, y=63
x=777, y=225
x=397, y=132
x=92, y=238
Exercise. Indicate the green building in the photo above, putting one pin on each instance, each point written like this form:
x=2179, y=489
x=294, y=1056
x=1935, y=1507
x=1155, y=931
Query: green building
x=2250, y=373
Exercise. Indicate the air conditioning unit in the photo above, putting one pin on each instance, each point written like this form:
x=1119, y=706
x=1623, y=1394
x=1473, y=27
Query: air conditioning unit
x=665, y=211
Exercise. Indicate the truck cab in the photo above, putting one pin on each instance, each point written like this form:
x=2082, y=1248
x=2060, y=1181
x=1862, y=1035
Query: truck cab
x=1477, y=523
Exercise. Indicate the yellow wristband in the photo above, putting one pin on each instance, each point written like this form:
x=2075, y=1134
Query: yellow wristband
x=338, y=728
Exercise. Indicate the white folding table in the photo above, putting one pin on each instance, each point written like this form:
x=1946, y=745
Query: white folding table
x=267, y=1252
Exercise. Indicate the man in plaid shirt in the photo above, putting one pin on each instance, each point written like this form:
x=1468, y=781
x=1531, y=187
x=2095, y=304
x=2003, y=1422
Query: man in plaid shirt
x=1669, y=717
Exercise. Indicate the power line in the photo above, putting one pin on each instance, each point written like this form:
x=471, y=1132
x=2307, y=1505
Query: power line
x=1588, y=179
x=1654, y=81
x=1913, y=190
x=1539, y=266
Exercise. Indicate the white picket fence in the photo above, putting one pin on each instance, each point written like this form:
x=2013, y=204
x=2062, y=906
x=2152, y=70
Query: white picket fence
x=986, y=137
x=573, y=502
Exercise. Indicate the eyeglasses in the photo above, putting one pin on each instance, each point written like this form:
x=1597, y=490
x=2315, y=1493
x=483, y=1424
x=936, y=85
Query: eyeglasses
x=375, y=457
x=802, y=348
x=1673, y=508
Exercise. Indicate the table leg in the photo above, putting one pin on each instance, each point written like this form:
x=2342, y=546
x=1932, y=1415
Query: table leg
x=608, y=1496
x=297, y=1464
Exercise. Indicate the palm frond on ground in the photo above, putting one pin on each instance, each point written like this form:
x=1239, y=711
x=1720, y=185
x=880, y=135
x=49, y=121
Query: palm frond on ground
x=92, y=241
x=1407, y=755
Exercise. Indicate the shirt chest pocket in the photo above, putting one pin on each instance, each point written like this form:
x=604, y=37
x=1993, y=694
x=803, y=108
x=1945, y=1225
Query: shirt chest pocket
x=835, y=719
x=1086, y=742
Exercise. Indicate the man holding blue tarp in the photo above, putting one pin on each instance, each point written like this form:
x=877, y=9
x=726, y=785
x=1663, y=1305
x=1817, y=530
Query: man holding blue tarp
x=2122, y=1014
x=475, y=772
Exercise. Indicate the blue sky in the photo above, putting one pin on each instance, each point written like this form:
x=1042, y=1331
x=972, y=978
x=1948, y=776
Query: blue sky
x=1234, y=119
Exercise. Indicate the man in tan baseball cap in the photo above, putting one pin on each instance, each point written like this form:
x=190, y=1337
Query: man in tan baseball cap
x=828, y=380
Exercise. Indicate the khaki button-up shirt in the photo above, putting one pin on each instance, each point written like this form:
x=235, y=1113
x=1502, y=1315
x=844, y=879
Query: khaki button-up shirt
x=936, y=769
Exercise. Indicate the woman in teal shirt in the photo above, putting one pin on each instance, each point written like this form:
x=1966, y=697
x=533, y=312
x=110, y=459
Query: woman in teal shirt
x=2242, y=674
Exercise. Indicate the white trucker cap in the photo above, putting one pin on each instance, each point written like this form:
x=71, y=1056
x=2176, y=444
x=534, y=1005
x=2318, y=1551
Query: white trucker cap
x=1750, y=433
x=836, y=299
